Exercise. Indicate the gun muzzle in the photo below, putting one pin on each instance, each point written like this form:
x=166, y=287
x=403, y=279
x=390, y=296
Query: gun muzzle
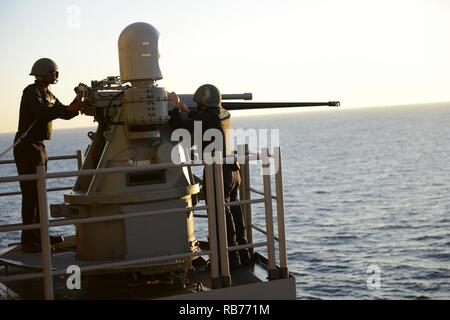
x=239, y=96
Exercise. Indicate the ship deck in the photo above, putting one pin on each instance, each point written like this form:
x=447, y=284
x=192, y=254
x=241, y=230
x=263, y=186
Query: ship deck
x=247, y=282
x=182, y=274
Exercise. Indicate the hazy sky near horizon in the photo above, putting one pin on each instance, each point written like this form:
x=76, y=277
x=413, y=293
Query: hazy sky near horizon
x=360, y=52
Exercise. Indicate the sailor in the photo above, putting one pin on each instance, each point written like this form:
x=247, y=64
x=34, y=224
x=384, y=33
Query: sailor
x=212, y=115
x=38, y=108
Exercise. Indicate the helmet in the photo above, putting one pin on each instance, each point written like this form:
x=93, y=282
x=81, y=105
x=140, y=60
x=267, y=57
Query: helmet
x=208, y=95
x=43, y=66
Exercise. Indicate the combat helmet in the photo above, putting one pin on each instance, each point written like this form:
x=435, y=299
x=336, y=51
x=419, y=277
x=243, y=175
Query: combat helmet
x=208, y=95
x=42, y=67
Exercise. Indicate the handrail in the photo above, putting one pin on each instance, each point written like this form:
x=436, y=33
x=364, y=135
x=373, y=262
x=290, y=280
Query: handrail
x=258, y=228
x=67, y=222
x=116, y=264
x=15, y=193
x=89, y=172
x=78, y=156
x=260, y=192
x=63, y=157
x=134, y=169
x=265, y=164
x=221, y=224
x=240, y=202
x=109, y=265
x=212, y=227
x=280, y=214
x=44, y=232
x=41, y=177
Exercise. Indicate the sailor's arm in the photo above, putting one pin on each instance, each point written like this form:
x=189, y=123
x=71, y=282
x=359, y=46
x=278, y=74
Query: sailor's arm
x=72, y=110
x=177, y=121
x=177, y=102
x=38, y=107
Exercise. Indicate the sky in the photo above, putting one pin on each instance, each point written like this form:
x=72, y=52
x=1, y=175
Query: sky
x=360, y=52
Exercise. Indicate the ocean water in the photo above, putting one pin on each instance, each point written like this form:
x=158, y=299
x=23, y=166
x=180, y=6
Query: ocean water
x=365, y=189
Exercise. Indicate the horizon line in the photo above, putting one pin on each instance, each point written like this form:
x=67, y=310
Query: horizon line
x=287, y=110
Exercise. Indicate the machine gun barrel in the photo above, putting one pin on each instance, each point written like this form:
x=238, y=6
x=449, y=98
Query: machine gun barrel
x=237, y=96
x=274, y=105
x=231, y=105
x=189, y=98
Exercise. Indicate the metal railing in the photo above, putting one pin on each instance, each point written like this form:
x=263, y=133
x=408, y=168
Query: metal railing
x=78, y=156
x=218, y=249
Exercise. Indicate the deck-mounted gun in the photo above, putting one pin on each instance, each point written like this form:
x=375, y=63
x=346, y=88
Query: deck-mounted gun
x=133, y=114
x=106, y=99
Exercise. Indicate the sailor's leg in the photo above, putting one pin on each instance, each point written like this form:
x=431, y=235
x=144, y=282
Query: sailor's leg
x=228, y=184
x=238, y=219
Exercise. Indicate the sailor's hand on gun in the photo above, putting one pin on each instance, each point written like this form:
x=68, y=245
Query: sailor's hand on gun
x=74, y=107
x=175, y=100
x=79, y=102
x=80, y=89
x=82, y=92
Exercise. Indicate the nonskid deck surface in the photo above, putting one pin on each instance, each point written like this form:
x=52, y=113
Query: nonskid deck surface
x=15, y=257
x=123, y=284
x=61, y=259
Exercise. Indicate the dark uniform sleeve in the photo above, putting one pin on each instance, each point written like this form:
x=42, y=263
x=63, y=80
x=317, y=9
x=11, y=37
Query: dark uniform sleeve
x=63, y=113
x=38, y=106
x=206, y=118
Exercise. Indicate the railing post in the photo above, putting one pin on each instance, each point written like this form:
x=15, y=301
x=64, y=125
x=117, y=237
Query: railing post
x=280, y=214
x=242, y=187
x=79, y=159
x=45, y=240
x=268, y=213
x=212, y=224
x=244, y=192
x=220, y=209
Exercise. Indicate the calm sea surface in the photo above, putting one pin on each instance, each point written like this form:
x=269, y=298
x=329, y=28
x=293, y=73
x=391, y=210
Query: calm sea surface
x=365, y=189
